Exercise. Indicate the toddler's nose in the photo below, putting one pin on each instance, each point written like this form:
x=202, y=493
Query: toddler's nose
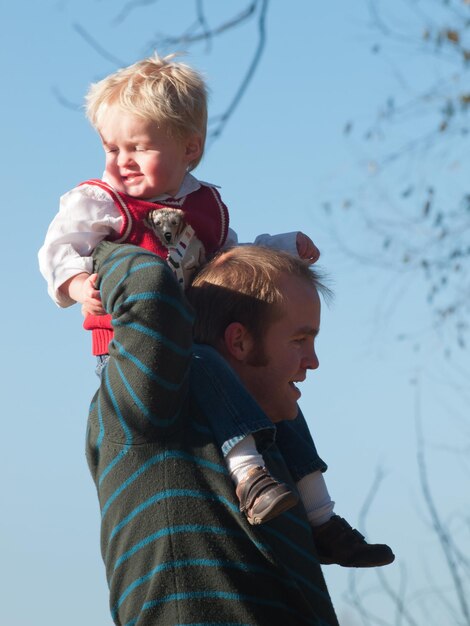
x=123, y=158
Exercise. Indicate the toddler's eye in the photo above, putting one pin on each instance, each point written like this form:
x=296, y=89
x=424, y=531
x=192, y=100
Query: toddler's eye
x=139, y=149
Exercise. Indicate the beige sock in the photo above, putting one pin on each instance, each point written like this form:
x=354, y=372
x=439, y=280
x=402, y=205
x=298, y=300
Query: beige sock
x=242, y=457
x=315, y=498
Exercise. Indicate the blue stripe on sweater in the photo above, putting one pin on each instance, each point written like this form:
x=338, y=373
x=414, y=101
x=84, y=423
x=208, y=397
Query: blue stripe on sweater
x=208, y=595
x=297, y=520
x=172, y=565
x=156, y=295
x=146, y=370
x=159, y=458
x=125, y=428
x=154, y=335
x=185, y=529
x=129, y=250
x=154, y=419
x=125, y=252
x=171, y=493
x=307, y=555
x=99, y=439
x=154, y=262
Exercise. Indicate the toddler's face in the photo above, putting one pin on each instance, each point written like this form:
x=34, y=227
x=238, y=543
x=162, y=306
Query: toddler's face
x=142, y=160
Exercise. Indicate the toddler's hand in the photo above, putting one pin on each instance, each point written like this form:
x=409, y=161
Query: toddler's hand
x=306, y=248
x=90, y=297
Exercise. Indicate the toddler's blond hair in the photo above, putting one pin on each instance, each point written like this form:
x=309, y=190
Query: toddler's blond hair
x=162, y=90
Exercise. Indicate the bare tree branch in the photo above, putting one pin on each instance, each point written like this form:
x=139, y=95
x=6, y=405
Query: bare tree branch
x=373, y=491
x=202, y=21
x=440, y=529
x=199, y=31
x=131, y=6
x=63, y=100
x=403, y=613
x=93, y=43
x=432, y=238
x=222, y=120
x=187, y=39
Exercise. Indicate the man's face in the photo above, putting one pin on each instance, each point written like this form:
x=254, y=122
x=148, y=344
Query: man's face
x=287, y=352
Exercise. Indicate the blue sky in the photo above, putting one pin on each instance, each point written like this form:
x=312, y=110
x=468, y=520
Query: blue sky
x=282, y=155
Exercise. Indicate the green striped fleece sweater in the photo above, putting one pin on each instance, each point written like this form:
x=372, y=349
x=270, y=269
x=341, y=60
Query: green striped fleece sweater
x=177, y=551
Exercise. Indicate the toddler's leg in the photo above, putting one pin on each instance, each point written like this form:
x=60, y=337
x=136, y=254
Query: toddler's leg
x=315, y=498
x=242, y=457
x=242, y=431
x=336, y=541
x=261, y=497
x=298, y=449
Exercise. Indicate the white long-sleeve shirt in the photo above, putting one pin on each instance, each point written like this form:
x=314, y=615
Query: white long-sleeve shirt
x=88, y=215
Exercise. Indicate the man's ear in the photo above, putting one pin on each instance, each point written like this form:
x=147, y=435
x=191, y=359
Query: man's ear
x=238, y=341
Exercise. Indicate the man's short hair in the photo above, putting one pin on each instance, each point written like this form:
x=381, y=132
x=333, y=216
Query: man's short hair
x=242, y=285
x=162, y=90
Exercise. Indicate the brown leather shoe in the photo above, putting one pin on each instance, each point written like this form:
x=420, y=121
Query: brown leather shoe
x=337, y=542
x=262, y=498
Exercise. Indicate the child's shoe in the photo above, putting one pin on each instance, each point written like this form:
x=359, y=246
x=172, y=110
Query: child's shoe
x=262, y=498
x=337, y=542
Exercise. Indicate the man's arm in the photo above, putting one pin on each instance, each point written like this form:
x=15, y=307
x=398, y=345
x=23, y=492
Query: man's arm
x=146, y=379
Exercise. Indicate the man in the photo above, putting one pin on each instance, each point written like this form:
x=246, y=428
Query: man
x=176, y=548
x=252, y=321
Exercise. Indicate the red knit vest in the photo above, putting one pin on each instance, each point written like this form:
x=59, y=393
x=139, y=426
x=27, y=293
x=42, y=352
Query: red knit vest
x=204, y=211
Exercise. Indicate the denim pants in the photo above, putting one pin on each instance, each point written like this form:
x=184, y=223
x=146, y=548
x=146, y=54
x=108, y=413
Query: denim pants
x=101, y=362
x=233, y=414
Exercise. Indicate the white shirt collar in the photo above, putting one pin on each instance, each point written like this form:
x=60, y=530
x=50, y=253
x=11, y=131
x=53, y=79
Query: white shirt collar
x=189, y=185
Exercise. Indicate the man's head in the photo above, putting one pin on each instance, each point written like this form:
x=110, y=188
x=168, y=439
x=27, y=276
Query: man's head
x=260, y=309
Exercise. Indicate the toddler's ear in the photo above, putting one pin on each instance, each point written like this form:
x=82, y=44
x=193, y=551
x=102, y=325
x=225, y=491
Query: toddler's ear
x=193, y=147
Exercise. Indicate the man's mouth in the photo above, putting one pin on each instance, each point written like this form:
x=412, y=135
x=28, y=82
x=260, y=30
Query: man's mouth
x=295, y=389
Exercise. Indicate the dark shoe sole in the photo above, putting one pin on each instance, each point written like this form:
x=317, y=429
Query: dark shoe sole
x=325, y=561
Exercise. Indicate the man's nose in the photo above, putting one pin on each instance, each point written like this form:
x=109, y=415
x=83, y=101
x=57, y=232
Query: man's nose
x=310, y=361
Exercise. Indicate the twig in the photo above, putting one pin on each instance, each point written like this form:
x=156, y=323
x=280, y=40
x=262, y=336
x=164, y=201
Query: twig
x=224, y=118
x=130, y=6
x=91, y=41
x=439, y=528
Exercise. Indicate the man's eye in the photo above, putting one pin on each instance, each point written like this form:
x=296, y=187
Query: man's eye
x=109, y=150
x=304, y=339
x=139, y=149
